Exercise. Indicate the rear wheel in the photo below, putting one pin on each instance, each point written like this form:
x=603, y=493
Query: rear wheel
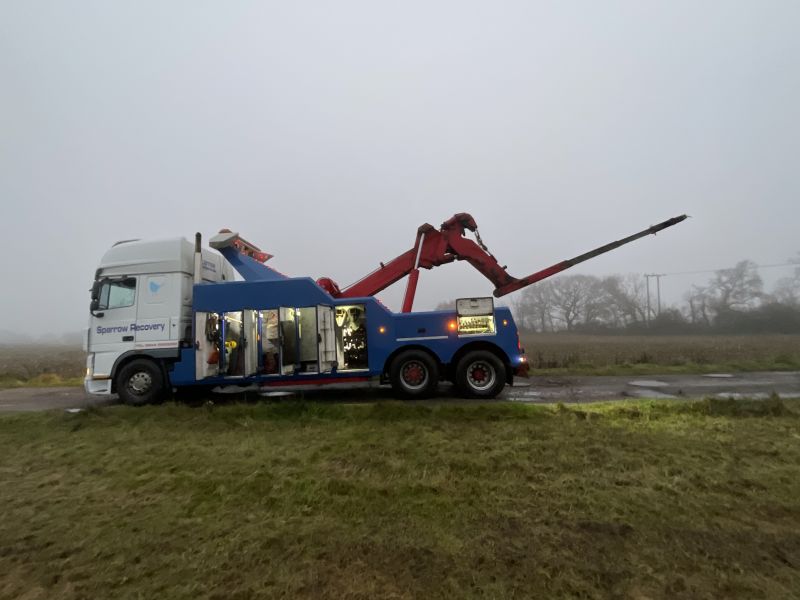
x=480, y=374
x=140, y=382
x=414, y=375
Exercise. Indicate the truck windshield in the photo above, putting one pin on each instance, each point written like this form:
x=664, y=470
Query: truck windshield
x=117, y=294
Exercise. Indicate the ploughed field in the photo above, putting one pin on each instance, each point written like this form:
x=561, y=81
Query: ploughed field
x=548, y=353
x=391, y=500
x=40, y=364
x=557, y=353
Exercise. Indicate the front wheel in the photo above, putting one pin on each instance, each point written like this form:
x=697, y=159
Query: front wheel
x=140, y=382
x=414, y=375
x=480, y=374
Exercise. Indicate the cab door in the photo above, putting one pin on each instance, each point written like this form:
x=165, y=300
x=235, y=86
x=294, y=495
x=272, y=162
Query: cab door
x=158, y=317
x=113, y=320
x=326, y=338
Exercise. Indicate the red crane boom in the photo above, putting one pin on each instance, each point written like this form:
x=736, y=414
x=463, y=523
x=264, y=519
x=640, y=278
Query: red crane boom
x=438, y=247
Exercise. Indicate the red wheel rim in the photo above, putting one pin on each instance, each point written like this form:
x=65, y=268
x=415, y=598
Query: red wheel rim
x=481, y=375
x=414, y=374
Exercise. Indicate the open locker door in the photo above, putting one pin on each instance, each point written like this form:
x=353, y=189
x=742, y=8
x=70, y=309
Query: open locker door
x=326, y=319
x=288, y=337
x=250, y=325
x=206, y=328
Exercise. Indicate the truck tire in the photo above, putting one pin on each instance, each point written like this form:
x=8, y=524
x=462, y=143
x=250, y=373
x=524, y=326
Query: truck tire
x=480, y=374
x=140, y=382
x=414, y=375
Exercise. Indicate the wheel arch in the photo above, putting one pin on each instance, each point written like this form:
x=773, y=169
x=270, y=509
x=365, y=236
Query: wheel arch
x=480, y=345
x=159, y=357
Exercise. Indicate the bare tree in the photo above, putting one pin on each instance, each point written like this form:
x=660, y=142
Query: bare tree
x=446, y=305
x=625, y=299
x=737, y=288
x=571, y=294
x=597, y=309
x=535, y=307
x=699, y=306
x=568, y=301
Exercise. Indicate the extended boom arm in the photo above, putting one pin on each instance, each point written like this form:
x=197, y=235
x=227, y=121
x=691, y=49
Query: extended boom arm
x=433, y=248
x=566, y=264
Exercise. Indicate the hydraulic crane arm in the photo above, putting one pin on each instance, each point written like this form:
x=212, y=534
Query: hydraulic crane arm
x=437, y=247
x=432, y=247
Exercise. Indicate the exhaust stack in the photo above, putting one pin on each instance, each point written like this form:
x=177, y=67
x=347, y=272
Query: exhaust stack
x=198, y=258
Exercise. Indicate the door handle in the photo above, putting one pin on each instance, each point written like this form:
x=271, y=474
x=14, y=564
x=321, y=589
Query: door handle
x=127, y=338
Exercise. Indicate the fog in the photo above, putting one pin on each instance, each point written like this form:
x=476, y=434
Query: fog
x=327, y=132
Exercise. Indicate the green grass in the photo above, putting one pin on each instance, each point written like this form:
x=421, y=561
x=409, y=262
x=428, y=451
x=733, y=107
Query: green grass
x=386, y=500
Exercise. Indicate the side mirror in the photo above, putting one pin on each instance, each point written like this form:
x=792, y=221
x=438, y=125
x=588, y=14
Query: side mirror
x=95, y=304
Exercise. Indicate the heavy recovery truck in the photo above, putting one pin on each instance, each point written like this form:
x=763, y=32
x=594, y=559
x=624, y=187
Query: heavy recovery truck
x=165, y=316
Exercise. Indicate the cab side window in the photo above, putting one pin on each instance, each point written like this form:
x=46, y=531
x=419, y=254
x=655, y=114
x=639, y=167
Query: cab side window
x=118, y=293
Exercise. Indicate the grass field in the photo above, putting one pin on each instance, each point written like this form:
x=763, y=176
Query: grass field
x=294, y=500
x=560, y=353
x=550, y=354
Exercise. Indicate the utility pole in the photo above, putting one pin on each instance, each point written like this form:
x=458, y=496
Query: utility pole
x=658, y=292
x=658, y=277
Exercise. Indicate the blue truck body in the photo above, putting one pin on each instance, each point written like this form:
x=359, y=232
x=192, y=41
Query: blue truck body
x=387, y=333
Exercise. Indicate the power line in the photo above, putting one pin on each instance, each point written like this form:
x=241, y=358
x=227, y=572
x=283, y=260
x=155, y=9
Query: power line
x=658, y=276
x=788, y=264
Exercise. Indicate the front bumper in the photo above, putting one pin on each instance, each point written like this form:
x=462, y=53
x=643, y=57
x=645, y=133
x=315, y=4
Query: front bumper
x=100, y=387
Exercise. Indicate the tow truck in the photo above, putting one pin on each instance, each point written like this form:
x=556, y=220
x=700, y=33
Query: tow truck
x=168, y=316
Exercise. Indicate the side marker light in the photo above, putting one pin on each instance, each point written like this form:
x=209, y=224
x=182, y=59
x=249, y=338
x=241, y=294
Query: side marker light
x=381, y=329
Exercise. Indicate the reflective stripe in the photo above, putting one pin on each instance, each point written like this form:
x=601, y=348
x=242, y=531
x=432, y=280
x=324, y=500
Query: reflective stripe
x=430, y=337
x=169, y=344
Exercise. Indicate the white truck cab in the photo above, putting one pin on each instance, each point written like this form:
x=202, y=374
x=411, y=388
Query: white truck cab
x=142, y=305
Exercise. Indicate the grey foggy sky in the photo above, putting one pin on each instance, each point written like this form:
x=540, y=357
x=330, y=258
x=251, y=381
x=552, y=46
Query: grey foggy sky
x=328, y=132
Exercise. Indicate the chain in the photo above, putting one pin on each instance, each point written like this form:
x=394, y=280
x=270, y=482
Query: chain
x=480, y=241
x=485, y=247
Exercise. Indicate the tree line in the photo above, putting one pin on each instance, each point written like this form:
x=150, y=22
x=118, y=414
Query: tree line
x=732, y=301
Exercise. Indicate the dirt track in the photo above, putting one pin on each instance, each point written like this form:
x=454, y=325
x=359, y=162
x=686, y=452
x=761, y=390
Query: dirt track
x=537, y=390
